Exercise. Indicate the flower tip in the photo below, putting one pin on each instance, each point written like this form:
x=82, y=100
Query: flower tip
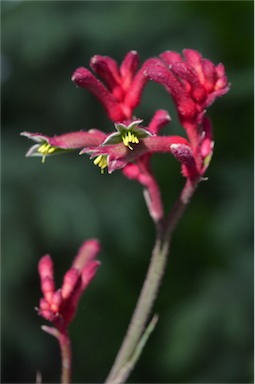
x=93, y=243
x=45, y=265
x=79, y=74
x=95, y=59
x=183, y=153
x=87, y=252
x=168, y=117
x=87, y=150
x=25, y=133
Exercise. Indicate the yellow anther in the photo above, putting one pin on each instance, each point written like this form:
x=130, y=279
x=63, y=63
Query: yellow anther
x=134, y=139
x=129, y=137
x=125, y=139
x=46, y=148
x=97, y=160
x=42, y=148
x=51, y=150
x=101, y=161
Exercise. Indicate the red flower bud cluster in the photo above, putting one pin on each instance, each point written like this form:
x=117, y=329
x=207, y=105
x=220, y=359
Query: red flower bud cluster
x=59, y=306
x=193, y=82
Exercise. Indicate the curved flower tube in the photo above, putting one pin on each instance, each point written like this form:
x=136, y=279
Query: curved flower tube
x=48, y=146
x=119, y=155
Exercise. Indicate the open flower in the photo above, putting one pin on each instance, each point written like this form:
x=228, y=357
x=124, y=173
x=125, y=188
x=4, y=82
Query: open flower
x=128, y=133
x=116, y=152
x=141, y=168
x=122, y=88
x=48, y=146
x=59, y=306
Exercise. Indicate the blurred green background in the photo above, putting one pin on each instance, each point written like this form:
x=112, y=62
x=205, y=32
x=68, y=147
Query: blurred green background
x=205, y=329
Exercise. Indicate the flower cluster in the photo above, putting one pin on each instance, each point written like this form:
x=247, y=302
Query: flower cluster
x=123, y=86
x=193, y=82
x=59, y=306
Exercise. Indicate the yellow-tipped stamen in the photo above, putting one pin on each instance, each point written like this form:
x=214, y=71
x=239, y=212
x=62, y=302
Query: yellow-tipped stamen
x=97, y=160
x=51, y=150
x=101, y=161
x=42, y=148
x=46, y=149
x=129, y=137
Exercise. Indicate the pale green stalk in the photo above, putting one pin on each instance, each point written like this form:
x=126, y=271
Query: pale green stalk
x=151, y=286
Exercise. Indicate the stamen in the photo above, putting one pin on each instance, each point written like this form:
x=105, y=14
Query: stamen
x=97, y=160
x=101, y=161
x=41, y=149
x=46, y=149
x=51, y=150
x=129, y=137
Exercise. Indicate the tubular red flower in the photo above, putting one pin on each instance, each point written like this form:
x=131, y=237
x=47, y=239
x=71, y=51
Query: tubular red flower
x=84, y=78
x=48, y=146
x=118, y=155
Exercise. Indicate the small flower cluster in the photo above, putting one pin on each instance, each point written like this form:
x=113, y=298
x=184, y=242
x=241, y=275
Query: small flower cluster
x=192, y=81
x=59, y=306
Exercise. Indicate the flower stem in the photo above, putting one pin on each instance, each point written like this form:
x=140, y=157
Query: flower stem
x=124, y=372
x=151, y=284
x=65, y=346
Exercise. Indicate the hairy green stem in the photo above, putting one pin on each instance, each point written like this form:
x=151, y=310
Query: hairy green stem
x=124, y=372
x=143, y=308
x=151, y=284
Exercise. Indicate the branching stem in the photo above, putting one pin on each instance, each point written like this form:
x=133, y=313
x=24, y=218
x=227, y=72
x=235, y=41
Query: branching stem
x=151, y=284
